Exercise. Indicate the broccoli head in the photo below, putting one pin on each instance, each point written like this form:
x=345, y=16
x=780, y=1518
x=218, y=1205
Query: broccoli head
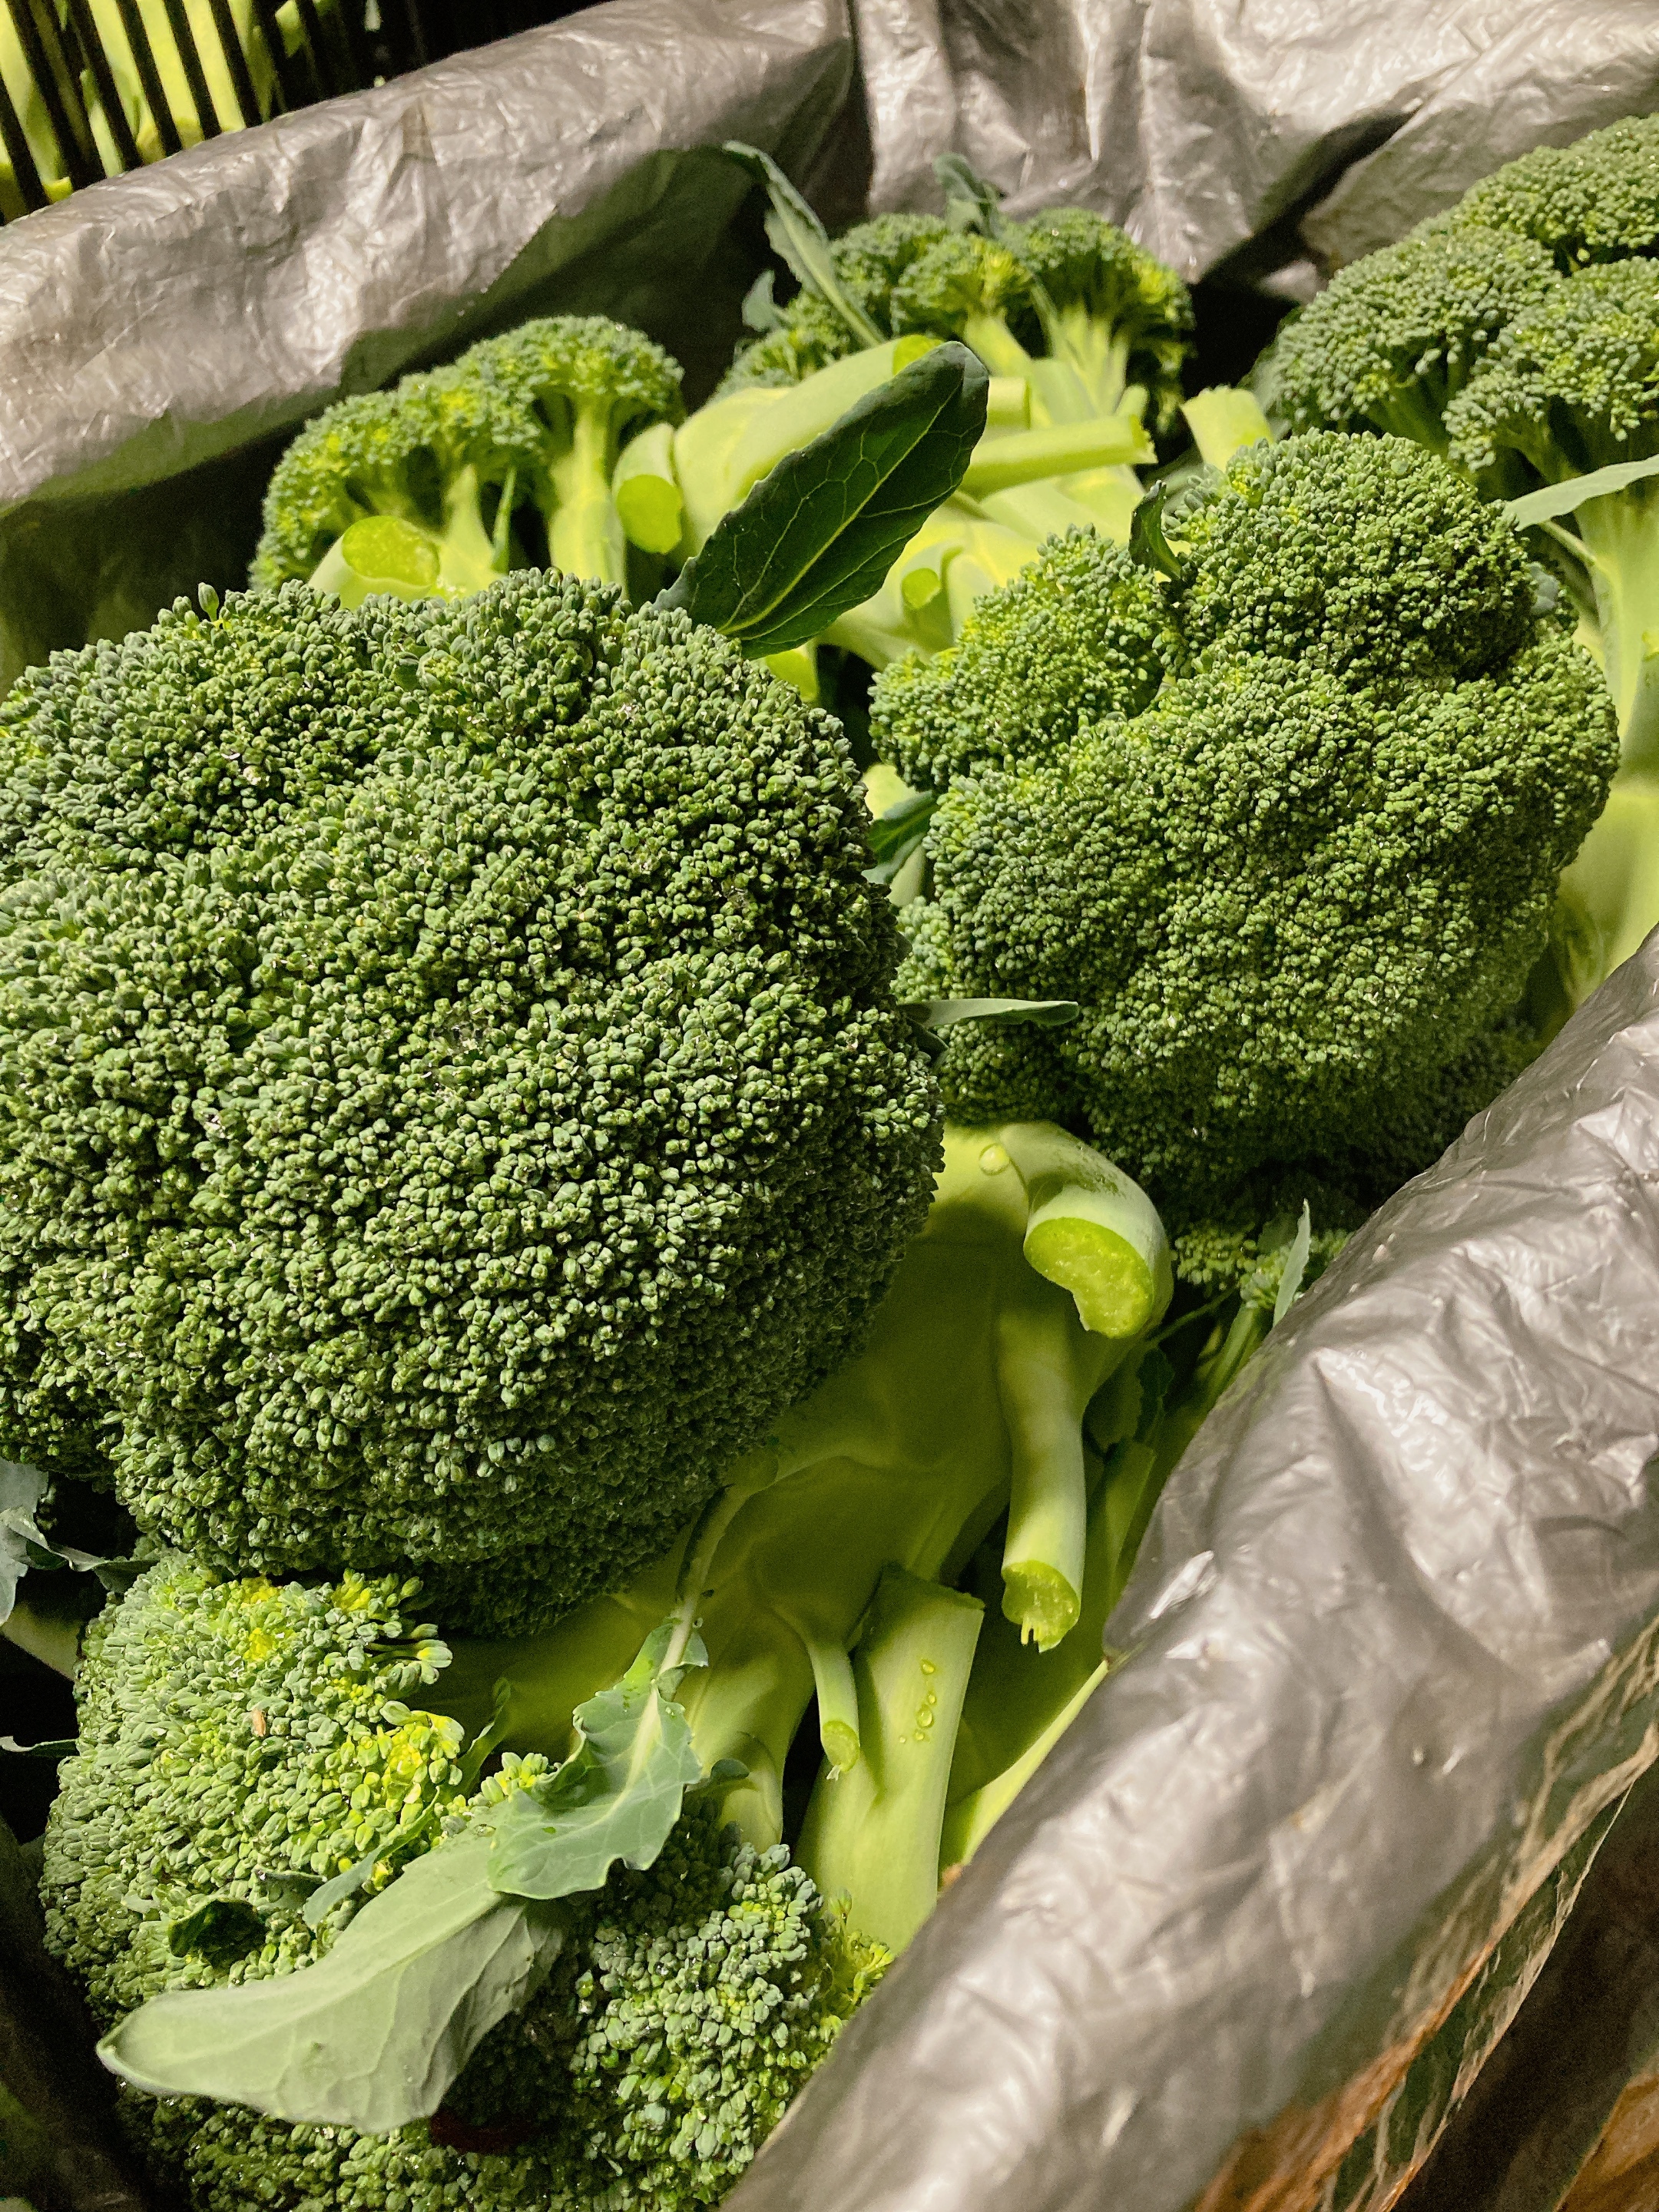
x=1109, y=309
x=1391, y=341
x=503, y=460
x=1595, y=201
x=240, y=1743
x=454, y=1093
x=1078, y=634
x=870, y=261
x=1573, y=386
x=1304, y=881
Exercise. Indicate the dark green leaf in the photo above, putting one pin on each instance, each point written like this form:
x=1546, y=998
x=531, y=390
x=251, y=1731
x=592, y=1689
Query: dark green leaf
x=761, y=312
x=373, y=2035
x=57, y=1747
x=819, y=534
x=971, y=202
x=618, y=1794
x=801, y=240
x=1296, y=1266
x=898, y=832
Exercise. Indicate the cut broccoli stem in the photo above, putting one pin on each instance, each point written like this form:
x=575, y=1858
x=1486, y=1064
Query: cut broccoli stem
x=1621, y=536
x=1043, y=1400
x=873, y=1833
x=1222, y=420
x=584, y=536
x=645, y=491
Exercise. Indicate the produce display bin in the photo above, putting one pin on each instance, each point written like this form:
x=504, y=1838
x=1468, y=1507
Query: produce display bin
x=1251, y=1938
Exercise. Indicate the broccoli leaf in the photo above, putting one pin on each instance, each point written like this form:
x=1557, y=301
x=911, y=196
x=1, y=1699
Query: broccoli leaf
x=617, y=1797
x=373, y=2035
x=801, y=239
x=819, y=533
x=1578, y=491
x=1296, y=1266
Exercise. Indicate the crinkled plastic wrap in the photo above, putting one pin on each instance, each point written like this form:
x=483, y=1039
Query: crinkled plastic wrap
x=1394, y=1652
x=1199, y=124
x=156, y=331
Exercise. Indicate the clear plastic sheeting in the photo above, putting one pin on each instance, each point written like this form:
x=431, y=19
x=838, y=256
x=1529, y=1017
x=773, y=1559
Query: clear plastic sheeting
x=165, y=317
x=1393, y=1648
x=1199, y=124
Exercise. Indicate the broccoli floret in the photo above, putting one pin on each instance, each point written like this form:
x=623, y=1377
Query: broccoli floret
x=973, y=288
x=1301, y=884
x=1110, y=310
x=1079, y=634
x=1571, y=386
x=1595, y=201
x=1392, y=340
x=869, y=260
x=239, y=1742
x=503, y=460
x=454, y=1094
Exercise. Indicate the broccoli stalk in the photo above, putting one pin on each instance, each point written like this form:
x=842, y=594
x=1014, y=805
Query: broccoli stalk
x=872, y=1829
x=1038, y=1271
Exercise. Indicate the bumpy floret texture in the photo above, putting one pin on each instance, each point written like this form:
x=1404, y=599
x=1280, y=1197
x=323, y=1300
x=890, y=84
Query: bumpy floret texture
x=1301, y=886
x=1573, y=384
x=454, y=1096
x=869, y=260
x=1392, y=340
x=1079, y=634
x=444, y=447
x=691, y=2005
x=238, y=1738
x=1595, y=201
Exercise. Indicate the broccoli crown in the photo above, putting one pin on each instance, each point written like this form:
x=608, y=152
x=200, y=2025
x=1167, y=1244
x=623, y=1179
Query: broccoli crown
x=1355, y=555
x=454, y=1092
x=397, y=453
x=1574, y=384
x=1595, y=201
x=1392, y=340
x=239, y=1741
x=1306, y=879
x=1123, y=317
x=870, y=261
x=531, y=420
x=960, y=279
x=1079, y=633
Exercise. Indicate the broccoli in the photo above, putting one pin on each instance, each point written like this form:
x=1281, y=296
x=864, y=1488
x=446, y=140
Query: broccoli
x=870, y=261
x=454, y=1096
x=1038, y=1273
x=1570, y=387
x=240, y=1742
x=1597, y=200
x=1392, y=340
x=503, y=460
x=1111, y=311
x=1298, y=892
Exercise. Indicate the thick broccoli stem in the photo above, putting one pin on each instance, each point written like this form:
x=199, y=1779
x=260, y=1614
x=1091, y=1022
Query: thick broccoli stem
x=467, y=560
x=873, y=1831
x=996, y=346
x=1097, y=349
x=1621, y=536
x=584, y=536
